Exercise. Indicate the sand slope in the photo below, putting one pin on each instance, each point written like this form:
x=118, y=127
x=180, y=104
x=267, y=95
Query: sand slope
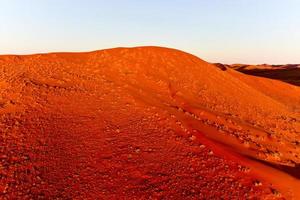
x=144, y=122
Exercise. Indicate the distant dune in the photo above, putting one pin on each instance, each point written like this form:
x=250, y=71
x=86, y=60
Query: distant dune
x=145, y=123
x=287, y=73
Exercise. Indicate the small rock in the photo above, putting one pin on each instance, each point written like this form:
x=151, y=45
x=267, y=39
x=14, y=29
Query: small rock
x=192, y=138
x=137, y=150
x=257, y=183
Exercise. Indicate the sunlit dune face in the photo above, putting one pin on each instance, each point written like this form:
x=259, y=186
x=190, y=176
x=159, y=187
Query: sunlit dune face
x=141, y=123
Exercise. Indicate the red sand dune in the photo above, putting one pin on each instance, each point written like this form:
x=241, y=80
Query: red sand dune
x=144, y=123
x=288, y=73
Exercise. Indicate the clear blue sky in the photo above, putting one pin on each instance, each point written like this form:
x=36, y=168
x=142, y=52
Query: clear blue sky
x=229, y=31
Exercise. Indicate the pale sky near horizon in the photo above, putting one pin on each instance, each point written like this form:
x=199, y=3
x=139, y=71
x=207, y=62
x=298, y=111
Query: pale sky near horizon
x=227, y=31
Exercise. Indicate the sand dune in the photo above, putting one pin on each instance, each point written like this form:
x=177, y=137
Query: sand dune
x=145, y=122
x=288, y=73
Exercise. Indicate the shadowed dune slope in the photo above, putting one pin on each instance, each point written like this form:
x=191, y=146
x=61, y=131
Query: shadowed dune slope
x=145, y=122
x=288, y=73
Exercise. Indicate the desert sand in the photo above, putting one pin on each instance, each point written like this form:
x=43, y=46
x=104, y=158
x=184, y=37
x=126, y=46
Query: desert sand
x=144, y=123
